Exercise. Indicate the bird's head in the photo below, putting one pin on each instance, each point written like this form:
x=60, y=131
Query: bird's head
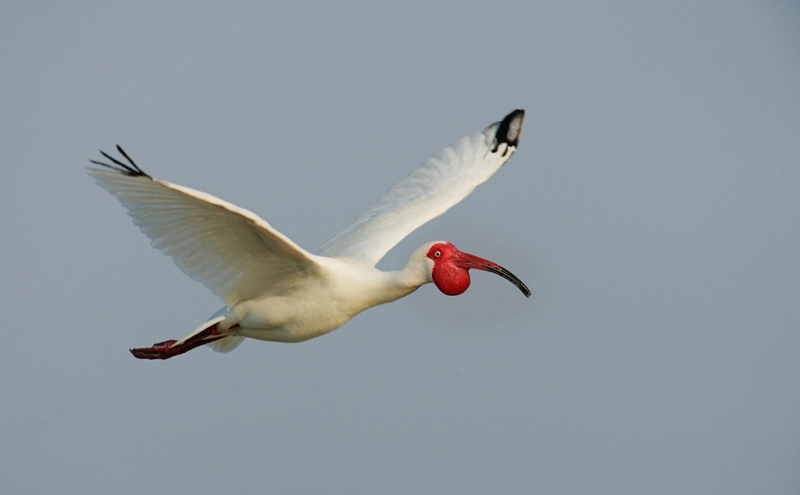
x=450, y=270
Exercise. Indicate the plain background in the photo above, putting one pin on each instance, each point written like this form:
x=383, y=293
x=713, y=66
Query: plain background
x=653, y=207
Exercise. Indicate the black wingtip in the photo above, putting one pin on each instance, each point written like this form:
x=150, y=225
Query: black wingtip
x=510, y=129
x=130, y=168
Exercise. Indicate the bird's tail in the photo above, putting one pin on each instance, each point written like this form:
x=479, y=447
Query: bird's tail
x=227, y=344
x=224, y=345
x=202, y=331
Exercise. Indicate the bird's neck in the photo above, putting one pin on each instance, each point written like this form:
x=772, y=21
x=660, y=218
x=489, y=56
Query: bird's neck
x=364, y=286
x=400, y=283
x=415, y=274
x=408, y=279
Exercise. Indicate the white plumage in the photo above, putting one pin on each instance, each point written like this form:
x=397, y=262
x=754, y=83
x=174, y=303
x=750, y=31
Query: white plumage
x=275, y=290
x=443, y=181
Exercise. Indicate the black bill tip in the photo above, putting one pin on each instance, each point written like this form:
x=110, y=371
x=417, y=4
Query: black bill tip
x=498, y=270
x=513, y=279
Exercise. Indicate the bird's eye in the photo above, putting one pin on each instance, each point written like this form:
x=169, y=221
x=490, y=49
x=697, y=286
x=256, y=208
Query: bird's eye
x=437, y=253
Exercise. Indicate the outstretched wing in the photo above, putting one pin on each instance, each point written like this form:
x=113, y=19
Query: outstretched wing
x=228, y=249
x=444, y=180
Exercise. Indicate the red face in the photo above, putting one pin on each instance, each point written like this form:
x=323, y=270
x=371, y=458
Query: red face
x=451, y=269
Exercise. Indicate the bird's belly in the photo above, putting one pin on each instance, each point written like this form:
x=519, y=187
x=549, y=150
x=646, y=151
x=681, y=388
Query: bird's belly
x=316, y=306
x=283, y=319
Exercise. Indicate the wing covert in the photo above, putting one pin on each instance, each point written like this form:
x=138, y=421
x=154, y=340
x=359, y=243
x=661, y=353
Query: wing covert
x=228, y=249
x=444, y=180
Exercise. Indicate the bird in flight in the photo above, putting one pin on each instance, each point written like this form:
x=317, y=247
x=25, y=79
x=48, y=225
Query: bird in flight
x=275, y=290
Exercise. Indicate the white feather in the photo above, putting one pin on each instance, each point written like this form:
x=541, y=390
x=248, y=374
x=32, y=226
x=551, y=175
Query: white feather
x=226, y=344
x=444, y=180
x=272, y=288
x=228, y=249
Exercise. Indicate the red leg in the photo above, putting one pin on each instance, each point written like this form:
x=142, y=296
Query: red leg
x=168, y=349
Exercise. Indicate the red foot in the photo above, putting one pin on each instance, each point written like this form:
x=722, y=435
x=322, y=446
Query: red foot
x=168, y=349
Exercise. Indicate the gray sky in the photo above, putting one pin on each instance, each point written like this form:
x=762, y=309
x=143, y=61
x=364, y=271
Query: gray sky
x=653, y=207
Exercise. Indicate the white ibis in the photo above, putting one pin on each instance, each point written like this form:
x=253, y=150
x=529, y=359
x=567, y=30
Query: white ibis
x=275, y=290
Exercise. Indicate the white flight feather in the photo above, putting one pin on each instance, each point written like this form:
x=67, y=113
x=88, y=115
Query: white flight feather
x=228, y=249
x=241, y=257
x=444, y=180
